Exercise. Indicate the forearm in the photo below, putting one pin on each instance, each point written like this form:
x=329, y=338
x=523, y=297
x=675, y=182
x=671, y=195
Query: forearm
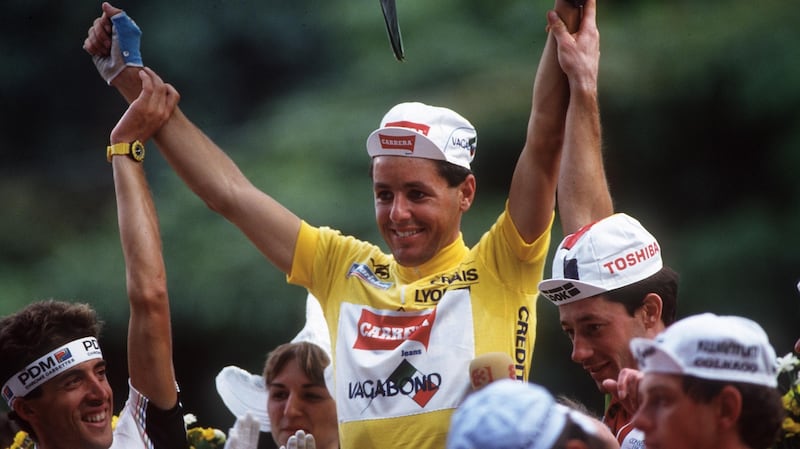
x=128, y=83
x=583, y=192
x=532, y=195
x=217, y=180
x=551, y=89
x=149, y=332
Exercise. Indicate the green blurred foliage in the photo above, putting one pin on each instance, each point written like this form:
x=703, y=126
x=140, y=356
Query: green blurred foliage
x=701, y=131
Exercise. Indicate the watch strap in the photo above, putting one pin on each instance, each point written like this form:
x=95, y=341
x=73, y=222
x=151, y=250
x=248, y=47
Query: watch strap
x=133, y=149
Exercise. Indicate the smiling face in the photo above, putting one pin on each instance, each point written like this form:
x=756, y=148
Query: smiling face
x=74, y=409
x=417, y=213
x=296, y=403
x=600, y=331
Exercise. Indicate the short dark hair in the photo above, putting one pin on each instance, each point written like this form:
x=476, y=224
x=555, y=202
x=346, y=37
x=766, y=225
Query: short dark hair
x=762, y=408
x=311, y=358
x=36, y=329
x=664, y=283
x=453, y=174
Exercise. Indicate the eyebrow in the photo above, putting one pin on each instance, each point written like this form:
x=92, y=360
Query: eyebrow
x=78, y=373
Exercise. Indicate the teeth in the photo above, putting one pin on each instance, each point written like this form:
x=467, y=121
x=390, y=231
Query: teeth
x=406, y=234
x=95, y=418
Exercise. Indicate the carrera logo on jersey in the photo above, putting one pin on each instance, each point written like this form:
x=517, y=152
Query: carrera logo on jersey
x=405, y=381
x=364, y=273
x=386, y=332
x=562, y=293
x=404, y=143
x=418, y=127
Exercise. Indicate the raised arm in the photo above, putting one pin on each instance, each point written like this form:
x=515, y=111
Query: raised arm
x=583, y=192
x=533, y=185
x=149, y=331
x=204, y=166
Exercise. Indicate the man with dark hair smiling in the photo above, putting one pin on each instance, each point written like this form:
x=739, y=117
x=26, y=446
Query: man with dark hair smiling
x=51, y=365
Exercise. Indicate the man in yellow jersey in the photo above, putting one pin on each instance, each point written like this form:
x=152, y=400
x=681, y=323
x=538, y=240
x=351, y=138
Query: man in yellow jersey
x=404, y=326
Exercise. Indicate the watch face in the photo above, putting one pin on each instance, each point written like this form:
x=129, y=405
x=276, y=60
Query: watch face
x=137, y=151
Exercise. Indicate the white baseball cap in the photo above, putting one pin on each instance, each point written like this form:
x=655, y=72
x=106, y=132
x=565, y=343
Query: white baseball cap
x=418, y=130
x=509, y=414
x=708, y=346
x=243, y=392
x=606, y=255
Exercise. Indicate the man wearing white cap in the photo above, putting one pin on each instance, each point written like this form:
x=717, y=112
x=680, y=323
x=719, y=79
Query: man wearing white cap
x=404, y=326
x=51, y=365
x=509, y=414
x=709, y=383
x=610, y=285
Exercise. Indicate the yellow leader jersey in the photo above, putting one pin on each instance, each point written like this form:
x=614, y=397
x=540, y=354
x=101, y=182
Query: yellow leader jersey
x=403, y=337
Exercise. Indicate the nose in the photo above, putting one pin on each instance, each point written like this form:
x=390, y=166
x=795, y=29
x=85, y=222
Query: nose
x=293, y=405
x=98, y=388
x=400, y=210
x=581, y=350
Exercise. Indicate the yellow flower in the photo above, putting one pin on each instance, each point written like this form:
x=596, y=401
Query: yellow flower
x=22, y=441
x=790, y=426
x=208, y=433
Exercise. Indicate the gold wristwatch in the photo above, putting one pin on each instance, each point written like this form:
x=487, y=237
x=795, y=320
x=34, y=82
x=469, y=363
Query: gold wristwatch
x=133, y=149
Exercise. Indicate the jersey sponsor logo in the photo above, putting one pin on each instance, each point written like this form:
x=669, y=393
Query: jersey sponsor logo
x=380, y=269
x=431, y=295
x=521, y=341
x=387, y=332
x=458, y=277
x=418, y=127
x=364, y=273
x=562, y=293
x=406, y=381
x=403, y=143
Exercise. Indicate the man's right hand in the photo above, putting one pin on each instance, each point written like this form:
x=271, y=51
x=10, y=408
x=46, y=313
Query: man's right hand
x=625, y=388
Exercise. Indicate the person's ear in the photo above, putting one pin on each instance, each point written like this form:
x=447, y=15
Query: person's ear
x=467, y=189
x=729, y=403
x=23, y=409
x=652, y=306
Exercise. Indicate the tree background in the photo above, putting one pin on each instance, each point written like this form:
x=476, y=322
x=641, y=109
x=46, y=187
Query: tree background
x=701, y=134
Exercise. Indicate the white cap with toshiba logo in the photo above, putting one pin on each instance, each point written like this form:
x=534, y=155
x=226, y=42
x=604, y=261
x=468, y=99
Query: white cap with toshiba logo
x=419, y=130
x=606, y=255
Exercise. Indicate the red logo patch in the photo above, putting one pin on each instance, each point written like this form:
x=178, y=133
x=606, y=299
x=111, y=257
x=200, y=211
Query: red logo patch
x=405, y=143
x=386, y=332
x=418, y=127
